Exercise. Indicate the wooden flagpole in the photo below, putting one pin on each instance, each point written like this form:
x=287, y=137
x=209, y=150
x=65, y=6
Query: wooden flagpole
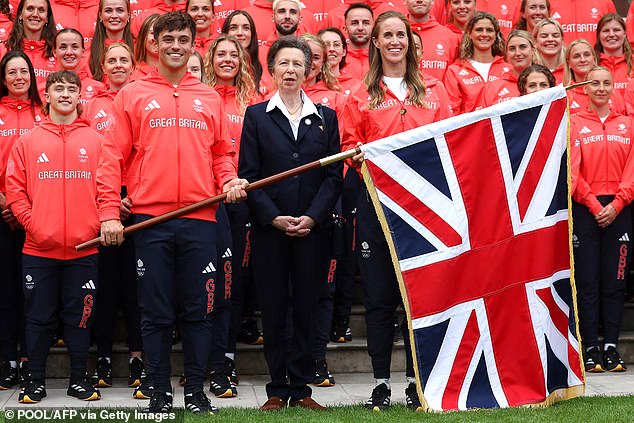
x=220, y=197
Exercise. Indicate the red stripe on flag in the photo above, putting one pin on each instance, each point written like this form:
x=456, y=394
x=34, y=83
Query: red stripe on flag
x=477, y=164
x=463, y=358
x=560, y=321
x=538, y=159
x=417, y=209
x=514, y=347
x=487, y=270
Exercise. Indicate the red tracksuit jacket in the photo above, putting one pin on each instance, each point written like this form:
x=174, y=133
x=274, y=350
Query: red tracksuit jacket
x=601, y=159
x=174, y=143
x=440, y=47
x=579, y=18
x=618, y=68
x=52, y=190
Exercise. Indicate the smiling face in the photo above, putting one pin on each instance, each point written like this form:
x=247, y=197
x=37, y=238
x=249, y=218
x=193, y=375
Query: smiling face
x=462, y=11
x=201, y=11
x=581, y=60
x=117, y=66
x=392, y=42
x=535, y=11
x=519, y=53
x=318, y=61
x=62, y=98
x=335, y=48
x=34, y=16
x=17, y=78
x=241, y=29
x=226, y=62
x=483, y=35
x=549, y=40
x=68, y=50
x=289, y=67
x=600, y=88
x=612, y=37
x=174, y=48
x=115, y=15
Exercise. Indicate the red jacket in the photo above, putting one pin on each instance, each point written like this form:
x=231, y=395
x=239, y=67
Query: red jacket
x=618, y=68
x=174, y=144
x=578, y=101
x=320, y=94
x=16, y=119
x=78, y=14
x=357, y=63
x=601, y=159
x=262, y=11
x=348, y=82
x=159, y=7
x=52, y=190
x=99, y=110
x=321, y=9
x=42, y=65
x=499, y=91
x=507, y=12
x=89, y=87
x=464, y=84
x=141, y=70
x=391, y=117
x=440, y=47
x=202, y=44
x=5, y=27
x=579, y=18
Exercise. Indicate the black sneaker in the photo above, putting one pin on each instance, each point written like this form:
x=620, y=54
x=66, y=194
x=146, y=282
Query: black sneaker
x=411, y=398
x=8, y=376
x=81, y=388
x=197, y=402
x=24, y=373
x=594, y=360
x=341, y=330
x=230, y=371
x=380, y=399
x=145, y=390
x=250, y=333
x=323, y=377
x=220, y=386
x=160, y=402
x=102, y=377
x=137, y=372
x=612, y=360
x=32, y=392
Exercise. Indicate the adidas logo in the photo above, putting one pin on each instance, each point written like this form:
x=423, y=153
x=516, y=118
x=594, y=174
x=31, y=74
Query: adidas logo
x=1, y=122
x=89, y=285
x=227, y=254
x=574, y=105
x=463, y=72
x=101, y=114
x=217, y=3
x=556, y=15
x=504, y=91
x=59, y=27
x=585, y=130
x=42, y=158
x=210, y=268
x=152, y=105
x=624, y=238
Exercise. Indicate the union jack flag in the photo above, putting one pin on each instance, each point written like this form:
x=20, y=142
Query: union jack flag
x=475, y=209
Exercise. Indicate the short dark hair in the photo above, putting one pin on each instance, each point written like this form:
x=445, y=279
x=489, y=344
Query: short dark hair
x=290, y=42
x=63, y=76
x=358, y=6
x=174, y=21
x=66, y=31
x=535, y=68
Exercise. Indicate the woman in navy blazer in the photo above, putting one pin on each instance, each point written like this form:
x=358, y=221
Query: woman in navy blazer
x=291, y=219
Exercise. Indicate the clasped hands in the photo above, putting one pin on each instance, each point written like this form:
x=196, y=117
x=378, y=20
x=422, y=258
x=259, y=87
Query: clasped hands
x=294, y=226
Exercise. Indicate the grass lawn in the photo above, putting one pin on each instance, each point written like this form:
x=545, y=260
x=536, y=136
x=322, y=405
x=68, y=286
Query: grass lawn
x=578, y=410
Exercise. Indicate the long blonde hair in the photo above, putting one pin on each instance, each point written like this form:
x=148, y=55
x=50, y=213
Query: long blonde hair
x=562, y=54
x=244, y=83
x=325, y=74
x=413, y=76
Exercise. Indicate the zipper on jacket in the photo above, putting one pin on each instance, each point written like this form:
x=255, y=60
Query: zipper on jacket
x=175, y=94
x=62, y=132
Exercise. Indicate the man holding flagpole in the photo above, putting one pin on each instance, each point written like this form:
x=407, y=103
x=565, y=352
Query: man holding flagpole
x=168, y=133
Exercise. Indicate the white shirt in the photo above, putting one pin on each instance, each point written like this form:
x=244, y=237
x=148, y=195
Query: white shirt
x=397, y=86
x=307, y=109
x=482, y=68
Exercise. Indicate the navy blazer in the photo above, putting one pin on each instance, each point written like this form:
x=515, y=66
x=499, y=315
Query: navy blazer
x=267, y=147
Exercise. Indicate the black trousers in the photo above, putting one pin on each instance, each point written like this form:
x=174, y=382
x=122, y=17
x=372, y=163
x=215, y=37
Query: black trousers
x=12, y=298
x=177, y=270
x=74, y=283
x=282, y=263
x=602, y=263
x=382, y=295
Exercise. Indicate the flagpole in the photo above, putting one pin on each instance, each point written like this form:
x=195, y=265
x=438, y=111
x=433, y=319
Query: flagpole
x=220, y=197
x=578, y=84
